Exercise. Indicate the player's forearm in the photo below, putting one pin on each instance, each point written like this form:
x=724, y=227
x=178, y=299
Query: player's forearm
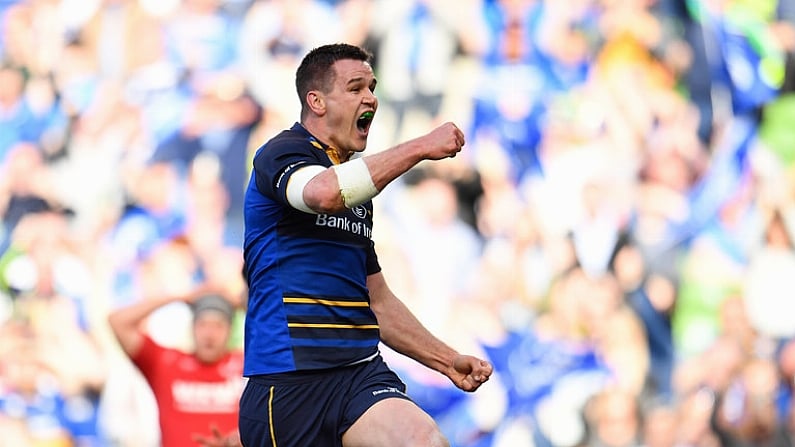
x=390, y=164
x=404, y=333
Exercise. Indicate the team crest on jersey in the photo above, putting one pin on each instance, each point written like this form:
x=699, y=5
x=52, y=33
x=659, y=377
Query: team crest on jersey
x=360, y=211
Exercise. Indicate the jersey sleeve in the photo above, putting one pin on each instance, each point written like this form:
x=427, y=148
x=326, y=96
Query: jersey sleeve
x=373, y=266
x=277, y=161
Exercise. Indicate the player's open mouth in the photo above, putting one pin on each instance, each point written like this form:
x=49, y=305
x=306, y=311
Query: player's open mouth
x=364, y=121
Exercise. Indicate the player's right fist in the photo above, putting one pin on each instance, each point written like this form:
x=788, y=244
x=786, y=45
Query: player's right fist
x=444, y=141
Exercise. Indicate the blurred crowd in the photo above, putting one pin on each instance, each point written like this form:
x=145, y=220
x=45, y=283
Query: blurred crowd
x=616, y=237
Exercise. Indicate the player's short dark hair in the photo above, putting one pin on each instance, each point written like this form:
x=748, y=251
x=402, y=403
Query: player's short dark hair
x=315, y=71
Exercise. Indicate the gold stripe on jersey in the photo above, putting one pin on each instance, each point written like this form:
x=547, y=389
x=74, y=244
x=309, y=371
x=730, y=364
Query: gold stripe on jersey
x=333, y=326
x=292, y=300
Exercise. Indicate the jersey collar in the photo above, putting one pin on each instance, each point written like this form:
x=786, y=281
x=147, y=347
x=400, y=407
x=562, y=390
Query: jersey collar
x=330, y=151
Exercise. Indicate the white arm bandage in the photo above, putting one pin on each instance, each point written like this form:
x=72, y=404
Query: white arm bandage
x=356, y=185
x=296, y=185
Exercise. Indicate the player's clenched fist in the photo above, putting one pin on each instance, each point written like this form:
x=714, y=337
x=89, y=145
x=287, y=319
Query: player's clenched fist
x=444, y=141
x=469, y=372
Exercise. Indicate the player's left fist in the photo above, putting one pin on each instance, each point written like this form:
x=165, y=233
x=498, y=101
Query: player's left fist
x=470, y=372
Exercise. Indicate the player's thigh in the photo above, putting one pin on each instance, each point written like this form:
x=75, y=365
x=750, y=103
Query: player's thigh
x=394, y=422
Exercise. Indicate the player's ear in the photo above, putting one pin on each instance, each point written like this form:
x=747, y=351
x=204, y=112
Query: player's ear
x=316, y=102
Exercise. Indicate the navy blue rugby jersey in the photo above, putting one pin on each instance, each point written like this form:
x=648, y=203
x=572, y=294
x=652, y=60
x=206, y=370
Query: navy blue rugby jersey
x=309, y=307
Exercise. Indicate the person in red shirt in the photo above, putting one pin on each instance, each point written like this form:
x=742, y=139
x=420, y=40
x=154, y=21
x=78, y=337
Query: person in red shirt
x=197, y=392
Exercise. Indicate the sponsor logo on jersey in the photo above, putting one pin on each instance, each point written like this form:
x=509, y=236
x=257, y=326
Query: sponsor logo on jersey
x=207, y=397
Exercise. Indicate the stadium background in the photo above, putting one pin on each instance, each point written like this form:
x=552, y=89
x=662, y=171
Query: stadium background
x=617, y=236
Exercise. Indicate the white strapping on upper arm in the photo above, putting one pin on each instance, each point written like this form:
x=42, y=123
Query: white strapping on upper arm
x=296, y=185
x=356, y=184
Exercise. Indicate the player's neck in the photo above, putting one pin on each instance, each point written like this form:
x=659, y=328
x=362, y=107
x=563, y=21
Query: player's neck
x=323, y=134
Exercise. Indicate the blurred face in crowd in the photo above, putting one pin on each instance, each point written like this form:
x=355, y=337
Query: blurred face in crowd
x=659, y=429
x=211, y=332
x=786, y=362
x=777, y=234
x=726, y=357
x=616, y=418
x=11, y=86
x=756, y=399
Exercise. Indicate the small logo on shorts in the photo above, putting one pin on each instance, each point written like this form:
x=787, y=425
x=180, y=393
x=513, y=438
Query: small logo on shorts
x=390, y=389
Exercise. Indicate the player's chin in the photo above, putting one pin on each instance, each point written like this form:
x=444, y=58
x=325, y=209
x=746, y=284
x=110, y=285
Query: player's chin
x=360, y=144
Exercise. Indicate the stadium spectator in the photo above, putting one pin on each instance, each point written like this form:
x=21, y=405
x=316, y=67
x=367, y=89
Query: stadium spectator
x=197, y=392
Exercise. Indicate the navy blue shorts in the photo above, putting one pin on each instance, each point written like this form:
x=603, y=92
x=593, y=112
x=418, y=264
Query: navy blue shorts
x=313, y=408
